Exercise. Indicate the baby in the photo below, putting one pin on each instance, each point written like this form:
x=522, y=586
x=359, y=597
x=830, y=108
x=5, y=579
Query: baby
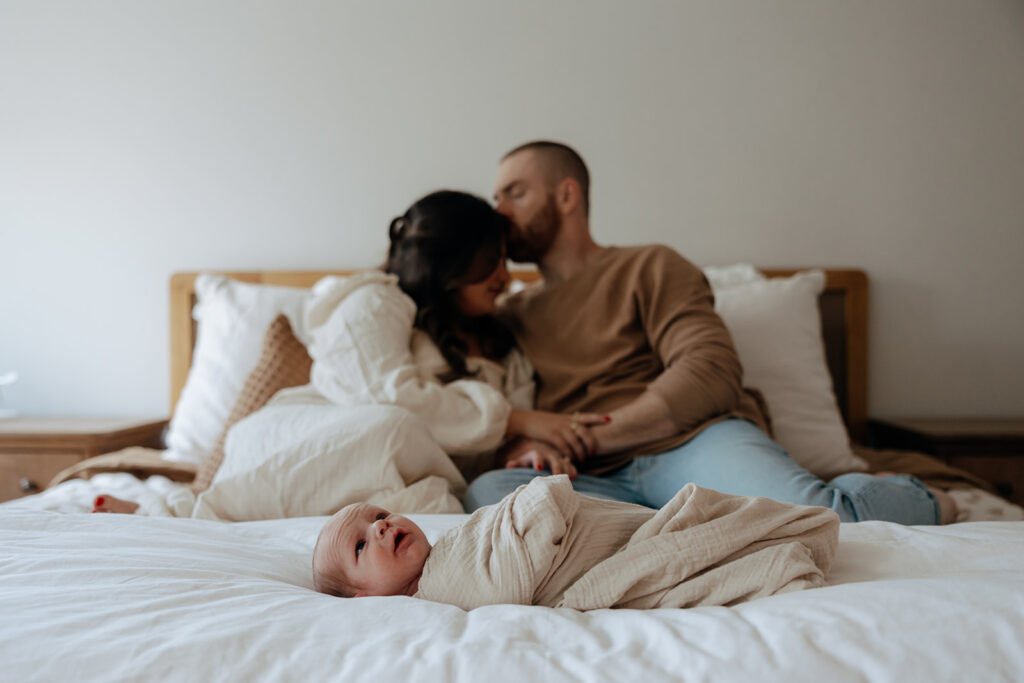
x=545, y=544
x=365, y=550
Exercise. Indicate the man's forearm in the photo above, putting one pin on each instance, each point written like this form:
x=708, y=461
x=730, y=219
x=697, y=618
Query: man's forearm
x=645, y=419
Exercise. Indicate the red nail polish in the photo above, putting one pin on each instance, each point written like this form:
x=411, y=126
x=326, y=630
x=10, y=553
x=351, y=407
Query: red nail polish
x=99, y=500
x=539, y=468
x=607, y=418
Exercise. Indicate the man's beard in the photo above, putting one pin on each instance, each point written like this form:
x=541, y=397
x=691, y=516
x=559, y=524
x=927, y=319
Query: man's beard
x=529, y=243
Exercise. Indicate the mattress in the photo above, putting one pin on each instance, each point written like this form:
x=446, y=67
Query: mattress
x=128, y=597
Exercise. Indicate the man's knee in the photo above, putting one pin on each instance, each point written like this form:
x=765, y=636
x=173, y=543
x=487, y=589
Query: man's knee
x=491, y=487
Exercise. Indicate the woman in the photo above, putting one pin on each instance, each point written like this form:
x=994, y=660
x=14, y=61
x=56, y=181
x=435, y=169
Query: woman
x=448, y=254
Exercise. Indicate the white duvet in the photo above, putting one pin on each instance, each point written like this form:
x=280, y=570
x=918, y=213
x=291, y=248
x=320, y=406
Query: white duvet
x=123, y=597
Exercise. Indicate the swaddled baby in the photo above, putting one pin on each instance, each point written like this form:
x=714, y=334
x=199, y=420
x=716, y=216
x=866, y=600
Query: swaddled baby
x=545, y=544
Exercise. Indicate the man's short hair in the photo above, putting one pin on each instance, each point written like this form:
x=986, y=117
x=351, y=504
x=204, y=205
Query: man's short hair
x=560, y=161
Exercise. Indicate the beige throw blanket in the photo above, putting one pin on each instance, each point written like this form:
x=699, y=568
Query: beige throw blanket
x=545, y=544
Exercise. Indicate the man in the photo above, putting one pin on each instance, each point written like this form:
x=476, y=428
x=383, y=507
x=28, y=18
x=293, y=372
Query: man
x=632, y=333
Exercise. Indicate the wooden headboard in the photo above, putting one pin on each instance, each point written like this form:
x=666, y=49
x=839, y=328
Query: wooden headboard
x=844, y=317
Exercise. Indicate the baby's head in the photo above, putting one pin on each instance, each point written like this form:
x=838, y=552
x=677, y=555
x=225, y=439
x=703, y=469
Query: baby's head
x=365, y=550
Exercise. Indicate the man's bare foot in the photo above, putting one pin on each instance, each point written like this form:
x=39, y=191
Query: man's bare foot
x=106, y=503
x=948, y=509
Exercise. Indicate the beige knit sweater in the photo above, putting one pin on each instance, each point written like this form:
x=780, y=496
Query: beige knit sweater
x=634, y=317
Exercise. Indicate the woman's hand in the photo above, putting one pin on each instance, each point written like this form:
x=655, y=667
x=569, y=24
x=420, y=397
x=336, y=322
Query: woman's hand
x=570, y=435
x=537, y=455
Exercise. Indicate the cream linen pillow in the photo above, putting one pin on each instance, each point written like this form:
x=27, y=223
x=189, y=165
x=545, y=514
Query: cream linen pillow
x=299, y=460
x=776, y=327
x=232, y=318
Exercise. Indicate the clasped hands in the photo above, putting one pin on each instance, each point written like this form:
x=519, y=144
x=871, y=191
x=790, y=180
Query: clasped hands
x=553, y=441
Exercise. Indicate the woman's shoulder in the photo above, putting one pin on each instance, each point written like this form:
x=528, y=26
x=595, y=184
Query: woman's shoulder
x=364, y=293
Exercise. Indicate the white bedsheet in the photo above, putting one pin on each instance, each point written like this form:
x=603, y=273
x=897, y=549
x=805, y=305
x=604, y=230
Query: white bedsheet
x=126, y=597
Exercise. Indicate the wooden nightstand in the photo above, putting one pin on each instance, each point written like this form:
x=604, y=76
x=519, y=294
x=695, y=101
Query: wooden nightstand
x=993, y=449
x=34, y=449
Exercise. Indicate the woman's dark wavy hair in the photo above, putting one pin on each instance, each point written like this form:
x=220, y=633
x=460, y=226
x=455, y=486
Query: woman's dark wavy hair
x=444, y=241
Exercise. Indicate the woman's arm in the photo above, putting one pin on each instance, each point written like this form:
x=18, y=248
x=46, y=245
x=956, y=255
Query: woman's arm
x=361, y=354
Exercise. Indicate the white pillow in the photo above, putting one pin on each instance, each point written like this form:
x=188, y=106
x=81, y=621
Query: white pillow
x=300, y=460
x=232, y=318
x=721, y=277
x=776, y=327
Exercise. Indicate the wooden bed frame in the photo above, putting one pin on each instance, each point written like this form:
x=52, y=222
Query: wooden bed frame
x=844, y=314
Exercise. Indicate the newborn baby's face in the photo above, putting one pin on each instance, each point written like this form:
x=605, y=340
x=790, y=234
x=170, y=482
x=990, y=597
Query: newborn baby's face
x=379, y=553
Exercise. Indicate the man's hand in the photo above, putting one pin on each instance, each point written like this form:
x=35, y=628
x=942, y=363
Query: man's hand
x=536, y=455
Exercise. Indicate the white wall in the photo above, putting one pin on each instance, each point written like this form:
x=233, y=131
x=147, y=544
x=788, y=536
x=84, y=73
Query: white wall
x=142, y=138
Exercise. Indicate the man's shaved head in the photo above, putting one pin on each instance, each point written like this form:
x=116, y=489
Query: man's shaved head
x=559, y=161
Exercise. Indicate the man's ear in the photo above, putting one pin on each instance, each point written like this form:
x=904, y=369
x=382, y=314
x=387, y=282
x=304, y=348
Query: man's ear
x=568, y=195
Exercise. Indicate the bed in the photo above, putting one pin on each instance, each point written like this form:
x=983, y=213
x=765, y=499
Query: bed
x=169, y=596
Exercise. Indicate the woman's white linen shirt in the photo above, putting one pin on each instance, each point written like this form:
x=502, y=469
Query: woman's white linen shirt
x=365, y=350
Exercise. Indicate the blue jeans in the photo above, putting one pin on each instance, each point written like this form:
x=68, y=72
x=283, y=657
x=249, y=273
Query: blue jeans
x=734, y=456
